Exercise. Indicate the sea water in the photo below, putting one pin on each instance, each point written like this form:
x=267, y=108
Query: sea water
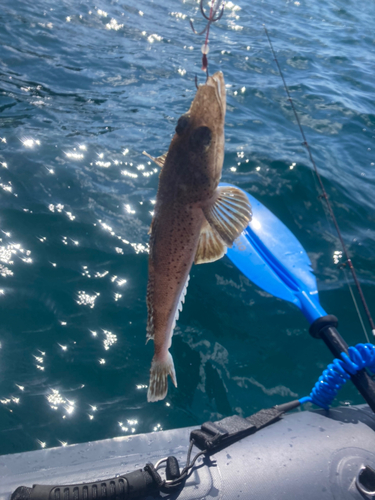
x=85, y=88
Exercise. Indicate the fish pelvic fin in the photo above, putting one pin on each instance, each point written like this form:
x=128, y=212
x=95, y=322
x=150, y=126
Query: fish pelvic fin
x=160, y=160
x=210, y=246
x=160, y=369
x=229, y=213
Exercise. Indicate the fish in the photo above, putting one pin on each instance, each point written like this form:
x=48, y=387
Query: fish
x=194, y=220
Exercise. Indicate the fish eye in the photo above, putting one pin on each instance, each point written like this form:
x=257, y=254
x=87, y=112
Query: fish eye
x=201, y=138
x=182, y=124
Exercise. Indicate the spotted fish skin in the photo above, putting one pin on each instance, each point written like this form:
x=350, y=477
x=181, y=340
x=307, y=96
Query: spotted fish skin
x=194, y=220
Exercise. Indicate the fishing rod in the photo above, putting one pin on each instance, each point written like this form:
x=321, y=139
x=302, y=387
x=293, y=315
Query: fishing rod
x=324, y=194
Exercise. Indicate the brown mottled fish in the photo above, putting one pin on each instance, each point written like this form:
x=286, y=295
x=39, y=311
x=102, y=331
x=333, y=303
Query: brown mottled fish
x=194, y=220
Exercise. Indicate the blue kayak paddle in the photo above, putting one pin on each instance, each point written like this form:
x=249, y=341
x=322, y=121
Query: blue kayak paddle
x=269, y=254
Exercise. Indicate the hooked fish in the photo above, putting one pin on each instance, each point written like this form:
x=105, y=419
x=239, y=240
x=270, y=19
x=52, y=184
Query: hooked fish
x=194, y=220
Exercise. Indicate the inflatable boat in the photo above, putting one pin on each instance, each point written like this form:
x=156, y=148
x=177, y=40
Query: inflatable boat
x=321, y=454
x=311, y=455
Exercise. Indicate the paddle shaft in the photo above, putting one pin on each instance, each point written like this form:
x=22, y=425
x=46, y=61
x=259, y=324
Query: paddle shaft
x=325, y=329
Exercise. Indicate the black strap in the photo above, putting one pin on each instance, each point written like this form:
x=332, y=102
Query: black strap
x=214, y=435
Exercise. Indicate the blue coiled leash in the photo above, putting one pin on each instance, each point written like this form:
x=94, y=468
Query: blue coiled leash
x=339, y=372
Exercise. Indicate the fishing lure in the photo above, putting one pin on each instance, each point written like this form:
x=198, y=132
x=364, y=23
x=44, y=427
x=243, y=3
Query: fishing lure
x=211, y=18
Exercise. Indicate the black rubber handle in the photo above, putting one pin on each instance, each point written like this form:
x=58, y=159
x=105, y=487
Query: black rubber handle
x=133, y=485
x=325, y=328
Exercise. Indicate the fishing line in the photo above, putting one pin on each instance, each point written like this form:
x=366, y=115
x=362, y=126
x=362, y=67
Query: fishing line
x=355, y=304
x=323, y=191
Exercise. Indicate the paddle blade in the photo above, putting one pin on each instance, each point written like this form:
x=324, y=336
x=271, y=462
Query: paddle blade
x=270, y=255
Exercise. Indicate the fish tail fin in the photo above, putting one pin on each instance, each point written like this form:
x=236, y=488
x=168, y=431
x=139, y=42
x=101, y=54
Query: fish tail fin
x=160, y=369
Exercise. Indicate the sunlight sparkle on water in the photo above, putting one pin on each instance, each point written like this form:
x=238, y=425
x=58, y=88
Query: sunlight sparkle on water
x=30, y=143
x=140, y=248
x=59, y=207
x=178, y=15
x=6, y=187
x=129, y=209
x=153, y=37
x=337, y=256
x=70, y=216
x=113, y=25
x=101, y=275
x=84, y=299
x=110, y=339
x=55, y=399
x=103, y=164
x=231, y=6
x=129, y=174
x=7, y=253
x=74, y=155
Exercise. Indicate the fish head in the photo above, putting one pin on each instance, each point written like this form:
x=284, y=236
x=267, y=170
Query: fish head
x=198, y=144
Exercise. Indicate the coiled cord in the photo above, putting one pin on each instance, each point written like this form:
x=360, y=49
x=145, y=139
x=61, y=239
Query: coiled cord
x=338, y=372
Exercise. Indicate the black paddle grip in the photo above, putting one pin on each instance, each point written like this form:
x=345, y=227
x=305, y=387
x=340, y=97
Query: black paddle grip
x=136, y=484
x=325, y=328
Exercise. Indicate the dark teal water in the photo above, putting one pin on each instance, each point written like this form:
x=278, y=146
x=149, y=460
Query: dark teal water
x=85, y=88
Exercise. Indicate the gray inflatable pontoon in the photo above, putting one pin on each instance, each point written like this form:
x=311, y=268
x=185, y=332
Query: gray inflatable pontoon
x=311, y=455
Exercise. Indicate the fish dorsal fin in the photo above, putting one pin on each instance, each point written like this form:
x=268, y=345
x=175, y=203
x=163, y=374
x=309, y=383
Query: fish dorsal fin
x=210, y=246
x=229, y=213
x=160, y=160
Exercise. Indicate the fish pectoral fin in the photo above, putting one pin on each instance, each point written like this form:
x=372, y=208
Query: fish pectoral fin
x=210, y=246
x=229, y=213
x=160, y=160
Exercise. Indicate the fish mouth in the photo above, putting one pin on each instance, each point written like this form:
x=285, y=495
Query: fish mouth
x=217, y=82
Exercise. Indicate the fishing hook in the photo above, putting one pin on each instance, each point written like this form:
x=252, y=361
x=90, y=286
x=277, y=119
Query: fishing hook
x=211, y=18
x=196, y=78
